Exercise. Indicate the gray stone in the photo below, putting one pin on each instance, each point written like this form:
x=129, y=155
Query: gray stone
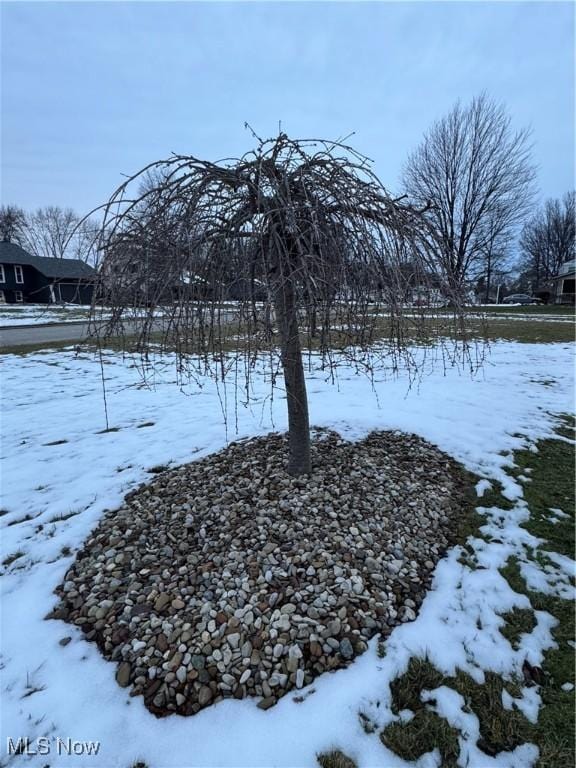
x=123, y=674
x=233, y=640
x=334, y=627
x=346, y=649
x=204, y=696
x=161, y=601
x=408, y=614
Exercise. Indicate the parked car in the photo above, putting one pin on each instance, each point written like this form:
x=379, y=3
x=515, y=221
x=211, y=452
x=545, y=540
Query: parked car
x=521, y=298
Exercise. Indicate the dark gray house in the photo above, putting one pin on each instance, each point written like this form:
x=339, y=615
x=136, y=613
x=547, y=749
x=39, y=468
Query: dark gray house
x=39, y=280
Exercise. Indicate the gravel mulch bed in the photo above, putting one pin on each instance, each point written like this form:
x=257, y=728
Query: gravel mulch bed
x=227, y=577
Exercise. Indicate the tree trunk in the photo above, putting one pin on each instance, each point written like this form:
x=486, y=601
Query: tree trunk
x=488, y=277
x=291, y=353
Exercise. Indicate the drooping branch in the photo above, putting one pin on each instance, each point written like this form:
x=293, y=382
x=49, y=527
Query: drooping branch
x=295, y=246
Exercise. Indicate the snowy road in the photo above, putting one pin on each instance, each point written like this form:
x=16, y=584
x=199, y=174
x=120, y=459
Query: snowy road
x=31, y=335
x=34, y=335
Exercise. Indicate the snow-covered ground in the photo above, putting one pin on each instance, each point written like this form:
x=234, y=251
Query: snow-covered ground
x=61, y=471
x=548, y=317
x=35, y=314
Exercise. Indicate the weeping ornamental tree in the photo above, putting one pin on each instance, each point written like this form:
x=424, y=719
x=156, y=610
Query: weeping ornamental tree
x=317, y=256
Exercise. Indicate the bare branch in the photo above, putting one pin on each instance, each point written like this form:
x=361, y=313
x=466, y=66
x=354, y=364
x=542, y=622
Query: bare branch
x=297, y=245
x=475, y=175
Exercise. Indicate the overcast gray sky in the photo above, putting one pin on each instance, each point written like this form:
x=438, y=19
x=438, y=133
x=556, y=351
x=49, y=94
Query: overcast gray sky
x=94, y=90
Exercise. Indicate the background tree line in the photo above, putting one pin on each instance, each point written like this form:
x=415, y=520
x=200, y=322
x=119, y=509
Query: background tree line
x=472, y=174
x=53, y=232
x=476, y=175
x=547, y=241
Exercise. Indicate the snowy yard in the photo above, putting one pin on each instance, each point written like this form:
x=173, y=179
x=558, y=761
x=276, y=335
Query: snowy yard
x=35, y=314
x=62, y=469
x=38, y=314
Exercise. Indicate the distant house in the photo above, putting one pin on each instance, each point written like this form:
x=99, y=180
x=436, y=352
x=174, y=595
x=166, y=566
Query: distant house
x=40, y=280
x=564, y=290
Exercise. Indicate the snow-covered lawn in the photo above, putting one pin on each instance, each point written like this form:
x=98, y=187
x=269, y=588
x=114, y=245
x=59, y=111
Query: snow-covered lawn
x=34, y=314
x=41, y=314
x=37, y=314
x=61, y=470
x=528, y=317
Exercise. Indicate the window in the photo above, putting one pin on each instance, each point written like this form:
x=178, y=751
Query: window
x=18, y=296
x=19, y=273
x=2, y=274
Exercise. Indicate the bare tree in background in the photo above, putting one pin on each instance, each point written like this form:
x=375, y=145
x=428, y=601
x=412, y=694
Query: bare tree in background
x=322, y=250
x=59, y=233
x=493, y=257
x=548, y=240
x=477, y=176
x=12, y=224
x=83, y=244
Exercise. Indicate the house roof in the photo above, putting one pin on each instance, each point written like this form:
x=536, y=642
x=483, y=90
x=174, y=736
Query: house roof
x=10, y=253
x=567, y=270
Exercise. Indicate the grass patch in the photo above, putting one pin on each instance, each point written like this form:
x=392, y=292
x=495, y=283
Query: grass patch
x=335, y=759
x=551, y=471
x=561, y=310
x=420, y=676
x=56, y=442
x=519, y=621
x=554, y=732
x=524, y=331
x=500, y=729
x=552, y=486
x=567, y=426
x=425, y=732
x=493, y=497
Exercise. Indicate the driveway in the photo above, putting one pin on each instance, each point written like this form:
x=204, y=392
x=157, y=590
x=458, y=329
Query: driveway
x=39, y=335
